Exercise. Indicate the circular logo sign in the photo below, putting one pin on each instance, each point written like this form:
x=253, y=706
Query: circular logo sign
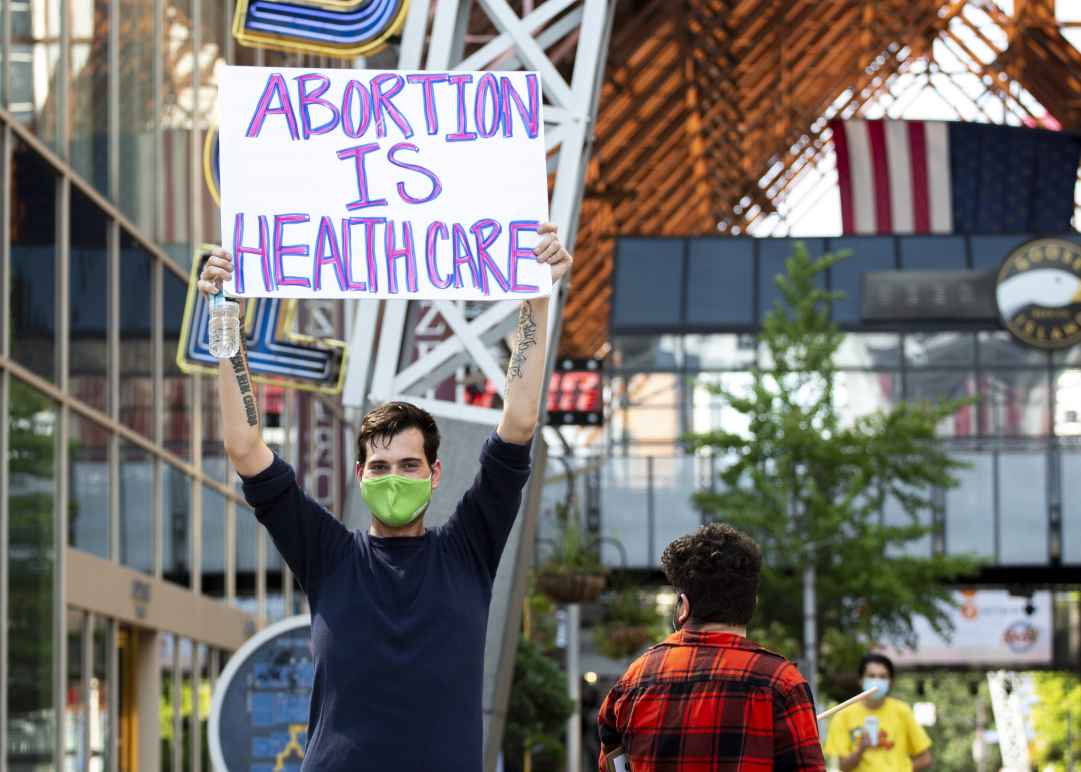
x=1038, y=292
x=1020, y=637
x=259, y=713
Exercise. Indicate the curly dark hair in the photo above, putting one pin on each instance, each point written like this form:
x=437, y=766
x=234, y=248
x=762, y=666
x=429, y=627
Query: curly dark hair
x=717, y=568
x=387, y=421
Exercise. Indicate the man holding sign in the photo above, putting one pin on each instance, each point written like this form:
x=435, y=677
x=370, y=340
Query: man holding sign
x=325, y=203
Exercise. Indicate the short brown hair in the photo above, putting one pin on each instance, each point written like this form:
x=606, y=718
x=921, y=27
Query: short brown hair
x=388, y=421
x=717, y=568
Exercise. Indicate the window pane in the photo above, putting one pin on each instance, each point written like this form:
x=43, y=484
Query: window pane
x=1015, y=403
x=90, y=91
x=989, y=251
x=174, y=226
x=213, y=35
x=858, y=394
x=100, y=745
x=648, y=287
x=867, y=254
x=1000, y=348
x=177, y=385
x=176, y=526
x=861, y=350
x=40, y=41
x=1071, y=507
x=894, y=515
x=634, y=425
x=137, y=507
x=1023, y=501
x=75, y=710
x=632, y=352
x=247, y=543
x=970, y=508
x=719, y=352
x=1067, y=386
x=169, y=741
x=33, y=262
x=214, y=460
x=940, y=349
x=674, y=482
x=720, y=281
x=136, y=345
x=711, y=411
x=88, y=465
x=31, y=465
x=626, y=512
x=932, y=253
x=213, y=568
x=771, y=256
x=138, y=118
x=936, y=386
x=89, y=308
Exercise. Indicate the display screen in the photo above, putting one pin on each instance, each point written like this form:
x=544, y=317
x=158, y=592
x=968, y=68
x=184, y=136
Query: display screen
x=576, y=393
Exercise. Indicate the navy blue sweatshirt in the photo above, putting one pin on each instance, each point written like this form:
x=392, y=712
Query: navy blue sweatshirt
x=398, y=624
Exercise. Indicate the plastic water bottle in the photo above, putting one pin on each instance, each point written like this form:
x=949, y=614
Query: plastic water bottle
x=224, y=331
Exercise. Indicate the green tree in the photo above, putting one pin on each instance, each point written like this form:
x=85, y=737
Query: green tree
x=811, y=488
x=1056, y=717
x=538, y=710
x=31, y=456
x=962, y=703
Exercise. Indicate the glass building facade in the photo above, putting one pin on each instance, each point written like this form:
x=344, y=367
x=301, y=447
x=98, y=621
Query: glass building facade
x=685, y=317
x=113, y=471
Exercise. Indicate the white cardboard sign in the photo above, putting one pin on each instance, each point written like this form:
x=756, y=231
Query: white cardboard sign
x=382, y=184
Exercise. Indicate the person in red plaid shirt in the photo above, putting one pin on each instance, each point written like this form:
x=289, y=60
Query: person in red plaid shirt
x=707, y=698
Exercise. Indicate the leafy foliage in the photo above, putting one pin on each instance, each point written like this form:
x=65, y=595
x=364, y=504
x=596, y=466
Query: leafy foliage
x=629, y=622
x=957, y=710
x=811, y=487
x=31, y=456
x=1057, y=717
x=539, y=706
x=571, y=552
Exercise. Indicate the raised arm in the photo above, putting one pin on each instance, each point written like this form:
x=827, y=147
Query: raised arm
x=239, y=408
x=525, y=374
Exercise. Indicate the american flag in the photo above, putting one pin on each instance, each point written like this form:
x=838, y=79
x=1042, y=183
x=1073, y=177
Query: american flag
x=937, y=177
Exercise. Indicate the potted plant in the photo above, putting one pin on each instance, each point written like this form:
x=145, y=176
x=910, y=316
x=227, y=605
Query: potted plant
x=630, y=621
x=572, y=571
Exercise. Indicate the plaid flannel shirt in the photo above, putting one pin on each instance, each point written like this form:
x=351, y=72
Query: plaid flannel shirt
x=704, y=701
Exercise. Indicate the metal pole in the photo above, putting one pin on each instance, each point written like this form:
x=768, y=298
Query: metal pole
x=810, y=632
x=981, y=719
x=651, y=514
x=574, y=729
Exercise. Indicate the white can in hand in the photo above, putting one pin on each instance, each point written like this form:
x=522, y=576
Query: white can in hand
x=870, y=726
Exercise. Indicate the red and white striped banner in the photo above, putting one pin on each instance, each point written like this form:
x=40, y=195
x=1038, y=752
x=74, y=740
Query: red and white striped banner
x=894, y=176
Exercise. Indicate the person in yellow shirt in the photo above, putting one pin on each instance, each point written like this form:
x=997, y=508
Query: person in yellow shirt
x=879, y=734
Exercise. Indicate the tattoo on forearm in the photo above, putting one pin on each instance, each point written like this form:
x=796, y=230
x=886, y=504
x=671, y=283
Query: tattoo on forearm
x=243, y=380
x=527, y=339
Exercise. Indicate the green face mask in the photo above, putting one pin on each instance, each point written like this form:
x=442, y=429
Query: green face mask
x=396, y=500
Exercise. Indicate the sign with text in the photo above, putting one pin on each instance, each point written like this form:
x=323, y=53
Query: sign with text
x=381, y=184
x=991, y=628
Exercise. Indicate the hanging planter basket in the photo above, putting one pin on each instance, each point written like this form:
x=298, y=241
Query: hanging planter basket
x=571, y=587
x=622, y=640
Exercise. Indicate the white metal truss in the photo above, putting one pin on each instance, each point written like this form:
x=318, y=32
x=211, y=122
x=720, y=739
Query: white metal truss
x=434, y=39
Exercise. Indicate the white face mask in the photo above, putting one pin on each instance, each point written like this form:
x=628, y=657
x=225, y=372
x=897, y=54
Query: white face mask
x=880, y=685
